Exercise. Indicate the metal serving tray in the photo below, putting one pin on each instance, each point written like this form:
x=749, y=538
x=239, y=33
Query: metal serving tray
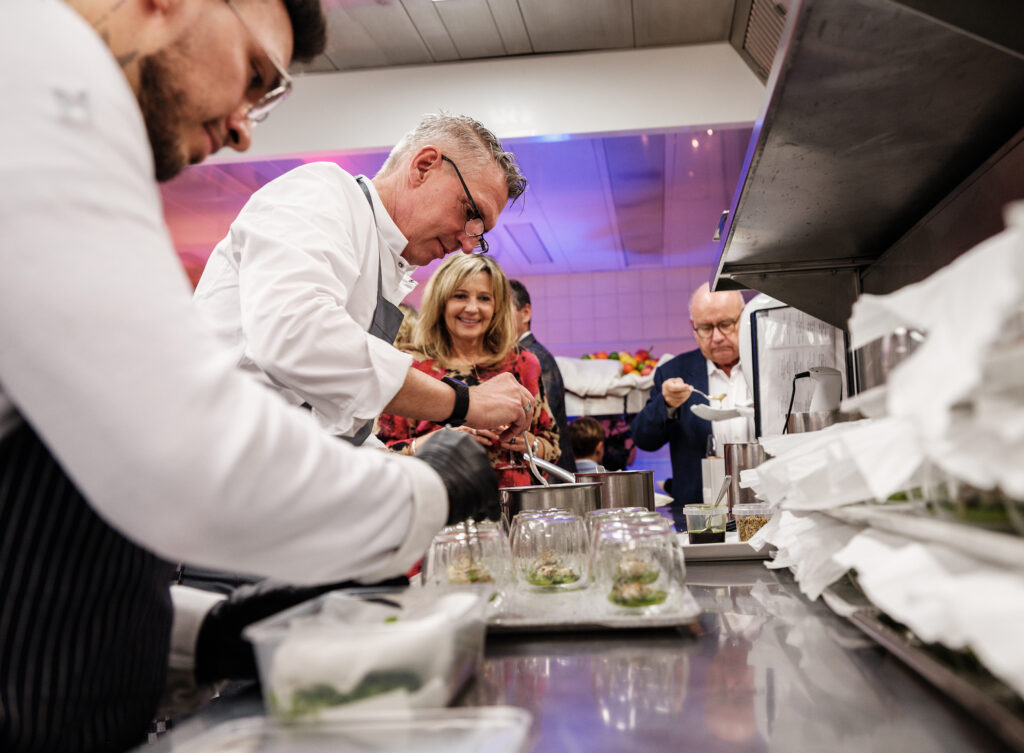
x=516, y=610
x=492, y=729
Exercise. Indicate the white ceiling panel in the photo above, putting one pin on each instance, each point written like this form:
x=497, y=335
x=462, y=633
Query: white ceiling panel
x=472, y=28
x=509, y=20
x=569, y=25
x=374, y=35
x=657, y=22
x=424, y=15
x=380, y=33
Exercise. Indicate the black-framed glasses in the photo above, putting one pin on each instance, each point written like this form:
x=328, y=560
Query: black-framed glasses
x=261, y=109
x=474, y=224
x=726, y=328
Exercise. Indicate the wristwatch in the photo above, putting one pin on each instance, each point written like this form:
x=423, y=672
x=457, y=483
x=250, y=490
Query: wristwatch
x=458, y=416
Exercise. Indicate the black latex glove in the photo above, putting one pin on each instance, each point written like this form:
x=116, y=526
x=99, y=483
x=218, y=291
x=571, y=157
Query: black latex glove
x=471, y=482
x=221, y=651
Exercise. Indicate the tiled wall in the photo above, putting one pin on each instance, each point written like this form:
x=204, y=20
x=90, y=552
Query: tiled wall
x=587, y=312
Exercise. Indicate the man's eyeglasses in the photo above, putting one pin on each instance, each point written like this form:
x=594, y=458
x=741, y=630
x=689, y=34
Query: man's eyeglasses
x=475, y=223
x=726, y=328
x=282, y=88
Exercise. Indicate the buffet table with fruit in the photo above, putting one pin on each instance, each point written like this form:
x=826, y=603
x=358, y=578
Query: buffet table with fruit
x=608, y=382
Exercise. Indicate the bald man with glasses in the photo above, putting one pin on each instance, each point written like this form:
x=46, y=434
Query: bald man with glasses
x=305, y=287
x=713, y=369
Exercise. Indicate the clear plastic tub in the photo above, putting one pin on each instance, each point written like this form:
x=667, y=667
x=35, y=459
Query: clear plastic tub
x=705, y=524
x=348, y=653
x=750, y=518
x=493, y=729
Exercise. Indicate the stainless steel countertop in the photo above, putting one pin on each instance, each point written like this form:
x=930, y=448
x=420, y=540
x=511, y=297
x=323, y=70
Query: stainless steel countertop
x=764, y=670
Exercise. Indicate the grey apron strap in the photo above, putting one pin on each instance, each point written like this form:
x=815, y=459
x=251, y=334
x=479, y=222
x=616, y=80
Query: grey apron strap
x=387, y=318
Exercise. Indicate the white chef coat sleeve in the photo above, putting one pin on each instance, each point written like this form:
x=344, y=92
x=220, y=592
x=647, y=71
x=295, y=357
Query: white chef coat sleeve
x=298, y=263
x=104, y=355
x=181, y=693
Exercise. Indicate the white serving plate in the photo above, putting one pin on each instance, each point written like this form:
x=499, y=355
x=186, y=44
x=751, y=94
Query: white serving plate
x=731, y=549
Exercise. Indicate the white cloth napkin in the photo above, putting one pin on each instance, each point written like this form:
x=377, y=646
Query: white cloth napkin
x=945, y=597
x=806, y=543
x=842, y=464
x=963, y=308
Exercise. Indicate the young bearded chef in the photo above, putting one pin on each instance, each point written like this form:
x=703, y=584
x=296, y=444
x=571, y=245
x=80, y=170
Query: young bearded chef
x=127, y=440
x=304, y=288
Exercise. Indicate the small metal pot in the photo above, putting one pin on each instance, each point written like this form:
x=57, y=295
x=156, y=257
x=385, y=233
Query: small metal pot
x=623, y=488
x=816, y=421
x=739, y=457
x=577, y=498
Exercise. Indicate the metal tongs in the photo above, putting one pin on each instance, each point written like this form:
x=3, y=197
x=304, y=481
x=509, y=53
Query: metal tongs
x=532, y=460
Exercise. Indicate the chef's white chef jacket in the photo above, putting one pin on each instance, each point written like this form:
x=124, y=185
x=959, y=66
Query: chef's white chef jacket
x=104, y=354
x=292, y=288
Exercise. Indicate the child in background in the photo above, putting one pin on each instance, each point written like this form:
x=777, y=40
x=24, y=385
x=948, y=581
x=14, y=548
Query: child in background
x=587, y=437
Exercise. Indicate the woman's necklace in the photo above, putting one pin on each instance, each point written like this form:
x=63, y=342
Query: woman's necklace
x=466, y=366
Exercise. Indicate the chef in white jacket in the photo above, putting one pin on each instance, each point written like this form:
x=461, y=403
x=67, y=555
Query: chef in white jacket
x=128, y=440
x=300, y=288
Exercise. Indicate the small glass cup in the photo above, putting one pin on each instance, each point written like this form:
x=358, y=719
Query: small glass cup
x=643, y=519
x=550, y=552
x=592, y=516
x=705, y=524
x=525, y=514
x=468, y=555
x=635, y=565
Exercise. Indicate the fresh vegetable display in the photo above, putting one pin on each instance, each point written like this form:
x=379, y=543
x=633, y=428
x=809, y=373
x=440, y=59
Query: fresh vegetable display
x=639, y=362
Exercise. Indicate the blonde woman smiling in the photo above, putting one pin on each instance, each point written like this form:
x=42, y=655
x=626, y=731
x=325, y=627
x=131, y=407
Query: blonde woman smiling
x=466, y=332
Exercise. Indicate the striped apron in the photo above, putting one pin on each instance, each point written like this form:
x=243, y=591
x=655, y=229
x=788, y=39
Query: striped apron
x=85, y=615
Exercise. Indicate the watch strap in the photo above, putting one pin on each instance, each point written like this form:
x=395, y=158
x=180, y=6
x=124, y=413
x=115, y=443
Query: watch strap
x=458, y=416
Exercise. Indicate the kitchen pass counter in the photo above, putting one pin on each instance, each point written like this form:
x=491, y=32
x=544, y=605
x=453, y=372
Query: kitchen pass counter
x=762, y=670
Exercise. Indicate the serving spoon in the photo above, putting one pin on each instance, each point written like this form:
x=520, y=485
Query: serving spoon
x=719, y=398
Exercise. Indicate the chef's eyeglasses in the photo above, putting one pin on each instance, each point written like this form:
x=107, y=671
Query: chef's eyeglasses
x=282, y=87
x=726, y=328
x=474, y=224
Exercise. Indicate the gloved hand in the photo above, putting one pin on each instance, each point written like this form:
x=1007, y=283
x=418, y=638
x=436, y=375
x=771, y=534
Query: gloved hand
x=221, y=651
x=467, y=474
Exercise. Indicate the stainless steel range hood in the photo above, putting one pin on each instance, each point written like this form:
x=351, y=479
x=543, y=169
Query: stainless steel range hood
x=886, y=127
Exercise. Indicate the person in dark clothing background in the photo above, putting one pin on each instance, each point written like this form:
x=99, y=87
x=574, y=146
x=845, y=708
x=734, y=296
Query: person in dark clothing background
x=522, y=311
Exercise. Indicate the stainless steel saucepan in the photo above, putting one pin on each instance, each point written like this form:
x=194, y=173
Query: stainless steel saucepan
x=577, y=498
x=618, y=488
